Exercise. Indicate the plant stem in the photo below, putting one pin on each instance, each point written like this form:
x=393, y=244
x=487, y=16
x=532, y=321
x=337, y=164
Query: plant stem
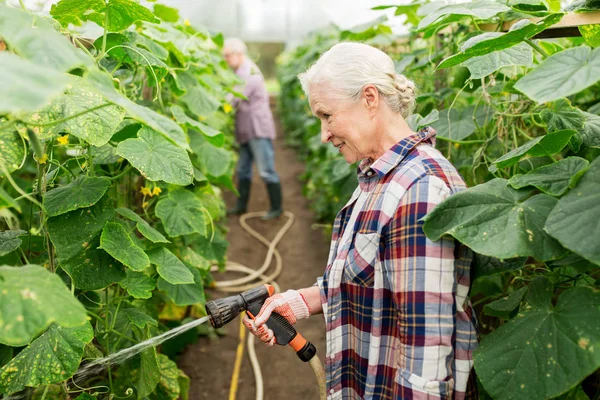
x=47, y=386
x=104, y=43
x=126, y=170
x=537, y=48
x=22, y=5
x=461, y=141
x=16, y=187
x=110, y=383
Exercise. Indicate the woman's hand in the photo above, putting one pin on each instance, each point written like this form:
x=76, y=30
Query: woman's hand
x=291, y=305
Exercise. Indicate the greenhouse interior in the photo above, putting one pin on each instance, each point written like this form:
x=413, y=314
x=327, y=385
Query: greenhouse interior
x=299, y=199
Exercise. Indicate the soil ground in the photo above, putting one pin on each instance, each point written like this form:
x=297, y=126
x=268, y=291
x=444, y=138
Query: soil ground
x=209, y=363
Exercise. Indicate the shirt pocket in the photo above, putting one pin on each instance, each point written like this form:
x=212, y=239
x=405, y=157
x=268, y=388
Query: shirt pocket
x=359, y=268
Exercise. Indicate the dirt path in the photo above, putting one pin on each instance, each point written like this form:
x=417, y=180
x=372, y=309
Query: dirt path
x=209, y=363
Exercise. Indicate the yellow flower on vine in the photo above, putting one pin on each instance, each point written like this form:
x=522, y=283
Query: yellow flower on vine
x=227, y=108
x=43, y=159
x=146, y=191
x=63, y=140
x=186, y=22
x=156, y=191
x=145, y=204
x=202, y=118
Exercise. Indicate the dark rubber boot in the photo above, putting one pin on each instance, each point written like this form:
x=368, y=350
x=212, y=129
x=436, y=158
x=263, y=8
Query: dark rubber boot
x=242, y=201
x=274, y=190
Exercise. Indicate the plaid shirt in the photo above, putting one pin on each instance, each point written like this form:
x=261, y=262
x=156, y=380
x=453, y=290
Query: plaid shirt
x=398, y=318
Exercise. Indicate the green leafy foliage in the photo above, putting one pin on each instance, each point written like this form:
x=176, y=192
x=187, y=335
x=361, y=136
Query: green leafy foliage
x=138, y=284
x=145, y=229
x=541, y=146
x=10, y=241
x=32, y=299
x=562, y=74
x=76, y=236
x=85, y=130
x=83, y=192
x=31, y=37
x=184, y=294
x=555, y=335
x=554, y=179
x=85, y=113
x=115, y=15
x=116, y=242
x=480, y=9
x=181, y=213
x=27, y=86
x=51, y=358
x=156, y=158
x=574, y=219
x=480, y=216
x=169, y=267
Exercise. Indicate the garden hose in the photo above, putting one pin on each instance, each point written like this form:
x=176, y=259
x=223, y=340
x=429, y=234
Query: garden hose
x=250, y=281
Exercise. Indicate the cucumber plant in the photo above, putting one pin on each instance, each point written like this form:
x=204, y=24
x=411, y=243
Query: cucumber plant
x=113, y=154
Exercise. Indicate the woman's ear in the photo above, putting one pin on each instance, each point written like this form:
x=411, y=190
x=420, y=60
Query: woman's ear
x=370, y=97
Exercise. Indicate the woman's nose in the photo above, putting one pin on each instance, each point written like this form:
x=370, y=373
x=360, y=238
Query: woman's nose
x=325, y=134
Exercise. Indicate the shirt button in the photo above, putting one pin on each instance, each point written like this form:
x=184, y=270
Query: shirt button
x=332, y=391
x=333, y=318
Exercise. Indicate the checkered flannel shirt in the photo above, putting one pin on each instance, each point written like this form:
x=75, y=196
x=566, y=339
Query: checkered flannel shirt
x=398, y=318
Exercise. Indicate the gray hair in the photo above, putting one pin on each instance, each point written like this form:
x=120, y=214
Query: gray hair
x=347, y=67
x=235, y=45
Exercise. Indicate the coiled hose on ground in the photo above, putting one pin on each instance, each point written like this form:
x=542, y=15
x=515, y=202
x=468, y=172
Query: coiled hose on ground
x=253, y=279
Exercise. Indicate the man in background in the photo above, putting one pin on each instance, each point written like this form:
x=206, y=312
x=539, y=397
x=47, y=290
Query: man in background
x=254, y=130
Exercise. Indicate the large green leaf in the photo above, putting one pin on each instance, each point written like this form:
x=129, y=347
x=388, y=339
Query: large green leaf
x=200, y=101
x=10, y=241
x=574, y=220
x=52, y=358
x=148, y=375
x=489, y=42
x=116, y=241
x=165, y=126
x=184, y=294
x=496, y=220
x=31, y=298
x=483, y=9
x=553, y=179
x=546, y=145
x=27, y=86
x=121, y=13
x=520, y=54
x=157, y=159
x=169, y=267
x=76, y=236
x=83, y=192
x=97, y=119
x=145, y=229
x=545, y=350
x=562, y=74
x=214, y=136
x=34, y=39
x=215, y=161
x=136, y=316
x=138, y=284
x=181, y=213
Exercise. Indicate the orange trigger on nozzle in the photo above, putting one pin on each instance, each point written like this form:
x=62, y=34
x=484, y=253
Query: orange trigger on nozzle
x=270, y=289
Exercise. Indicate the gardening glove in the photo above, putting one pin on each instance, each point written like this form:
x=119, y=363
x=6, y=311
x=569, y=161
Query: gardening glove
x=291, y=305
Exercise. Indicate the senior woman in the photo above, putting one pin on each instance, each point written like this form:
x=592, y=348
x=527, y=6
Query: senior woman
x=398, y=319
